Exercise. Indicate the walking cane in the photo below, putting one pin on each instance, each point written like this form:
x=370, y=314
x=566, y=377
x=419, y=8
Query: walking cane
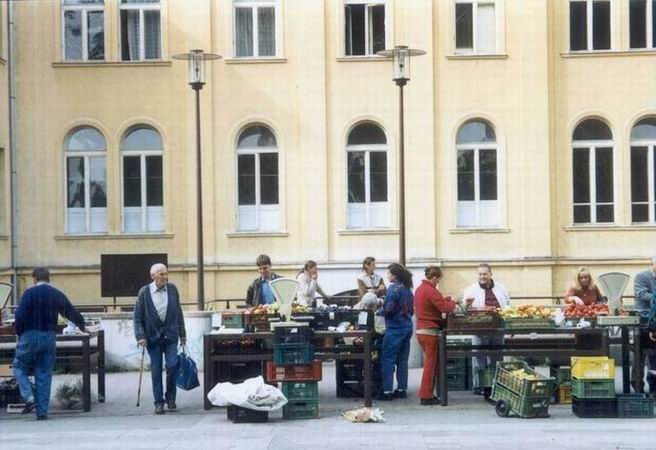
x=143, y=351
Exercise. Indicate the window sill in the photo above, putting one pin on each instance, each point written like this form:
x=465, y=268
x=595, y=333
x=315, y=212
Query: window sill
x=472, y=230
x=248, y=234
x=4, y=237
x=359, y=58
x=368, y=231
x=72, y=237
x=478, y=56
x=255, y=60
x=610, y=227
x=3, y=61
x=68, y=64
x=608, y=53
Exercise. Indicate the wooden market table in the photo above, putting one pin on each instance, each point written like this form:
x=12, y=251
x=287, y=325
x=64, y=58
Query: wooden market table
x=210, y=375
x=75, y=348
x=546, y=342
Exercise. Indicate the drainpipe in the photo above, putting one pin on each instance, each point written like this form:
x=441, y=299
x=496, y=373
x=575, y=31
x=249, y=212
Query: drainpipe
x=11, y=60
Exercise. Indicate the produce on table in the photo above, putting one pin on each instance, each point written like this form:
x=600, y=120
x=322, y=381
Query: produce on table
x=526, y=311
x=580, y=311
x=523, y=375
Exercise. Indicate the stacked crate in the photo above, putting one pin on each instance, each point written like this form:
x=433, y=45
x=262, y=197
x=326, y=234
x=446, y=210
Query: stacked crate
x=349, y=374
x=563, y=377
x=459, y=370
x=294, y=365
x=593, y=387
x=526, y=394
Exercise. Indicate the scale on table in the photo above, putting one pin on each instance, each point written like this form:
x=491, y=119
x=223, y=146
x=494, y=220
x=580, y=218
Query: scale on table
x=613, y=284
x=284, y=290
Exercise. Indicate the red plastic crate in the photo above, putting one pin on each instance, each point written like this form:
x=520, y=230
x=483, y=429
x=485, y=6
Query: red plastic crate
x=298, y=372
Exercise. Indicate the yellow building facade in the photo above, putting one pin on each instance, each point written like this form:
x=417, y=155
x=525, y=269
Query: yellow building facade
x=529, y=139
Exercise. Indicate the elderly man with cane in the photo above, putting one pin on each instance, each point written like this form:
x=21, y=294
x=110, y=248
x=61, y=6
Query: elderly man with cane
x=158, y=325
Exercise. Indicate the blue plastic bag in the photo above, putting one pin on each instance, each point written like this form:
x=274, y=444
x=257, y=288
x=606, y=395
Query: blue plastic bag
x=187, y=372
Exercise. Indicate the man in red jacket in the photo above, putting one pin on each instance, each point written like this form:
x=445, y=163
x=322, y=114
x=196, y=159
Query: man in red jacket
x=429, y=307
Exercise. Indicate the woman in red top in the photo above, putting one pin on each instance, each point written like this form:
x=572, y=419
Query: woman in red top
x=583, y=290
x=429, y=306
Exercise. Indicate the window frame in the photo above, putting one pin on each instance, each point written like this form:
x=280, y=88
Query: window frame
x=589, y=26
x=84, y=9
x=651, y=178
x=477, y=202
x=142, y=7
x=368, y=42
x=474, y=50
x=86, y=155
x=650, y=41
x=255, y=5
x=367, y=149
x=592, y=146
x=258, y=206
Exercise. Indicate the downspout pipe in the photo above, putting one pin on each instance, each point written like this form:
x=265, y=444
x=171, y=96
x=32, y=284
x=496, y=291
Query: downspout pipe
x=11, y=65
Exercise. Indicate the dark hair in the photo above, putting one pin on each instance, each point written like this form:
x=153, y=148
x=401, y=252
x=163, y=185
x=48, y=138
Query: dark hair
x=485, y=266
x=263, y=260
x=401, y=273
x=432, y=272
x=41, y=274
x=368, y=260
x=307, y=266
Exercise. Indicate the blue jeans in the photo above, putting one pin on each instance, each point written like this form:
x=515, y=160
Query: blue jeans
x=35, y=353
x=169, y=349
x=396, y=349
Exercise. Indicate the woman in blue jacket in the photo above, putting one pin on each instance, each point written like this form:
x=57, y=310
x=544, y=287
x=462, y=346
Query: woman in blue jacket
x=398, y=310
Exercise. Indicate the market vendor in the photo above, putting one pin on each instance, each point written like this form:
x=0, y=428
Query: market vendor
x=583, y=290
x=429, y=307
x=371, y=286
x=308, y=280
x=259, y=292
x=486, y=293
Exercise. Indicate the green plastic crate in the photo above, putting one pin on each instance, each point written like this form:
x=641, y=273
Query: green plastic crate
x=289, y=354
x=562, y=374
x=526, y=407
x=457, y=365
x=593, y=388
x=635, y=406
x=307, y=409
x=540, y=387
x=457, y=382
x=232, y=320
x=301, y=390
x=486, y=377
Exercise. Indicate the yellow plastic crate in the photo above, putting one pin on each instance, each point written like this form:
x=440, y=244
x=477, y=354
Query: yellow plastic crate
x=593, y=367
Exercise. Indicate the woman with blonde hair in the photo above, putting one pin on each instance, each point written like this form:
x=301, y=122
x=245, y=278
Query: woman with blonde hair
x=583, y=290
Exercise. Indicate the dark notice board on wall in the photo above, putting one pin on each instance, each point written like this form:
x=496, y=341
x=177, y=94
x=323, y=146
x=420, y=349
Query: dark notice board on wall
x=123, y=275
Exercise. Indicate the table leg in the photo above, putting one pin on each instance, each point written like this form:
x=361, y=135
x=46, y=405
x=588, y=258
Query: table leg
x=100, y=351
x=86, y=375
x=367, y=370
x=441, y=371
x=637, y=359
x=208, y=371
x=626, y=381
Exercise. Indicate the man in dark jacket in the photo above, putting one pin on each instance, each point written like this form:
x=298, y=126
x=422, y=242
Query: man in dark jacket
x=36, y=325
x=259, y=292
x=159, y=324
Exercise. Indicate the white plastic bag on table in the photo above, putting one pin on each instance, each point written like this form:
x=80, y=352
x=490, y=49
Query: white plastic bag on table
x=253, y=393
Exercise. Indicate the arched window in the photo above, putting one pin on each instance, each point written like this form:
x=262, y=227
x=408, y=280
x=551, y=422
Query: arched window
x=257, y=180
x=86, y=181
x=368, y=204
x=592, y=171
x=143, y=186
x=478, y=203
x=643, y=175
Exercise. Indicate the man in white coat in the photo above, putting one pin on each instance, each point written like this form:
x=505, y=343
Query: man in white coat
x=486, y=293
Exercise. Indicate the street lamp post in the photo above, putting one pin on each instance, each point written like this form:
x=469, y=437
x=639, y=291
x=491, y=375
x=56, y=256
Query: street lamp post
x=401, y=75
x=196, y=77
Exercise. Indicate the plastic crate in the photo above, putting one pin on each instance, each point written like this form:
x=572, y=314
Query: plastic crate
x=594, y=407
x=458, y=382
x=301, y=372
x=260, y=322
x=232, y=319
x=288, y=354
x=564, y=394
x=237, y=346
x=237, y=414
x=355, y=389
x=458, y=365
x=474, y=320
x=301, y=334
x=301, y=390
x=307, y=409
x=237, y=372
x=526, y=407
x=349, y=370
x=562, y=374
x=540, y=387
x=486, y=377
x=528, y=322
x=593, y=367
x=584, y=389
x=10, y=396
x=635, y=406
